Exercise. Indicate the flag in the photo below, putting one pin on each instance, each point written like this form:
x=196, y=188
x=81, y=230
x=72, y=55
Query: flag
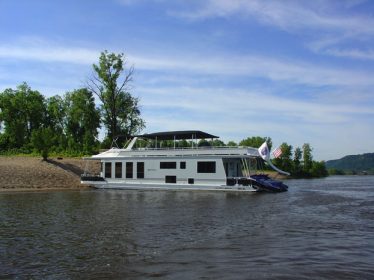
x=277, y=152
x=264, y=151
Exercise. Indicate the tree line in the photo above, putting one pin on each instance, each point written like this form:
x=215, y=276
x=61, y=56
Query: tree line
x=69, y=124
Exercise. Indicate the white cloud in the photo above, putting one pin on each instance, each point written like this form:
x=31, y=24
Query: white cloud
x=208, y=64
x=352, y=53
x=322, y=23
x=245, y=103
x=256, y=66
x=50, y=54
x=331, y=127
x=288, y=15
x=202, y=65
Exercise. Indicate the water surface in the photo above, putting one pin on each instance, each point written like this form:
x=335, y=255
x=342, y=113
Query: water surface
x=319, y=229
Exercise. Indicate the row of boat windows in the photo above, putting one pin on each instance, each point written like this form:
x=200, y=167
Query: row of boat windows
x=202, y=167
x=129, y=170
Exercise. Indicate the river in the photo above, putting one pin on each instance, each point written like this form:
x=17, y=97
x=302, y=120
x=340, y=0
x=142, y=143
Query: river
x=319, y=229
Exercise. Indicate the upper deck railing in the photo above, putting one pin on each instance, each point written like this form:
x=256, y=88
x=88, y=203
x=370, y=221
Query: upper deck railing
x=179, y=151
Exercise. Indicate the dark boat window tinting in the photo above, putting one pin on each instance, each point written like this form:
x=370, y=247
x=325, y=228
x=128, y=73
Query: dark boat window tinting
x=118, y=169
x=129, y=166
x=168, y=165
x=108, y=170
x=206, y=167
x=140, y=170
x=171, y=179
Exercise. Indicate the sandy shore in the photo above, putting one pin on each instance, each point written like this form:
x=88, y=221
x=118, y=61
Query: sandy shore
x=32, y=173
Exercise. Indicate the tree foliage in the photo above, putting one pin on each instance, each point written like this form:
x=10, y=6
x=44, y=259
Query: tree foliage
x=21, y=111
x=256, y=141
x=31, y=122
x=111, y=82
x=307, y=157
x=297, y=161
x=69, y=123
x=284, y=162
x=42, y=140
x=83, y=120
x=298, y=168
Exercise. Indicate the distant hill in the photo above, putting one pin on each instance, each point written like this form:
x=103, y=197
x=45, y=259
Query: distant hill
x=357, y=163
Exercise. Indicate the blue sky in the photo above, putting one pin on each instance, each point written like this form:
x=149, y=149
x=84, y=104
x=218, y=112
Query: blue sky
x=296, y=71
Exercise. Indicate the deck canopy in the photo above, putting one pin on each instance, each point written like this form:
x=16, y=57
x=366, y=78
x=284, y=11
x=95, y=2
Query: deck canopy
x=178, y=135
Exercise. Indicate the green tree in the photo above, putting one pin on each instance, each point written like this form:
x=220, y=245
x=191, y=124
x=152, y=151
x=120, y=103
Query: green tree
x=183, y=144
x=307, y=157
x=21, y=111
x=111, y=82
x=256, y=142
x=217, y=143
x=56, y=121
x=232, y=144
x=297, y=161
x=42, y=141
x=334, y=171
x=203, y=143
x=318, y=169
x=284, y=161
x=82, y=120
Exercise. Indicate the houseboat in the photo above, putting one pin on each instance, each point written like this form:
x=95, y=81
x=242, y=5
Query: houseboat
x=196, y=167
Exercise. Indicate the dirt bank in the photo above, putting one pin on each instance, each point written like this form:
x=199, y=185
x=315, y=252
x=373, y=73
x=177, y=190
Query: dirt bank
x=32, y=173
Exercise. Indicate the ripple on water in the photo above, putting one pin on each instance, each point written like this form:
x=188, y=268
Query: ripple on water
x=320, y=229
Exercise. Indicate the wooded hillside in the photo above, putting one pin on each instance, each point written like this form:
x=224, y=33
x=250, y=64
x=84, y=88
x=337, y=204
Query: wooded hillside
x=353, y=164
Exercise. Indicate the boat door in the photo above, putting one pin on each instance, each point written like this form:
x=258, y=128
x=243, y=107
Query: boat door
x=231, y=168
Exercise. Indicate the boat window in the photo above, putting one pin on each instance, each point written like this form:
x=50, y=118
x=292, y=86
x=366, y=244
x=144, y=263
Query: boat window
x=171, y=179
x=140, y=170
x=182, y=165
x=168, y=165
x=108, y=170
x=118, y=169
x=191, y=181
x=206, y=167
x=129, y=166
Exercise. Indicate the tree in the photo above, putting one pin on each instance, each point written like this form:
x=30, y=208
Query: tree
x=56, y=120
x=203, y=143
x=232, y=144
x=217, y=143
x=307, y=157
x=284, y=162
x=56, y=113
x=82, y=120
x=297, y=161
x=21, y=111
x=42, y=140
x=318, y=169
x=110, y=83
x=256, y=142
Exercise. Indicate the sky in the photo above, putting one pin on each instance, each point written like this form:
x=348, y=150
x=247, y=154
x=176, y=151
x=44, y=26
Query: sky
x=296, y=71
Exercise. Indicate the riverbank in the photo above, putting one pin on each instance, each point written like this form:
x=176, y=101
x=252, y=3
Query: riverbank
x=32, y=173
